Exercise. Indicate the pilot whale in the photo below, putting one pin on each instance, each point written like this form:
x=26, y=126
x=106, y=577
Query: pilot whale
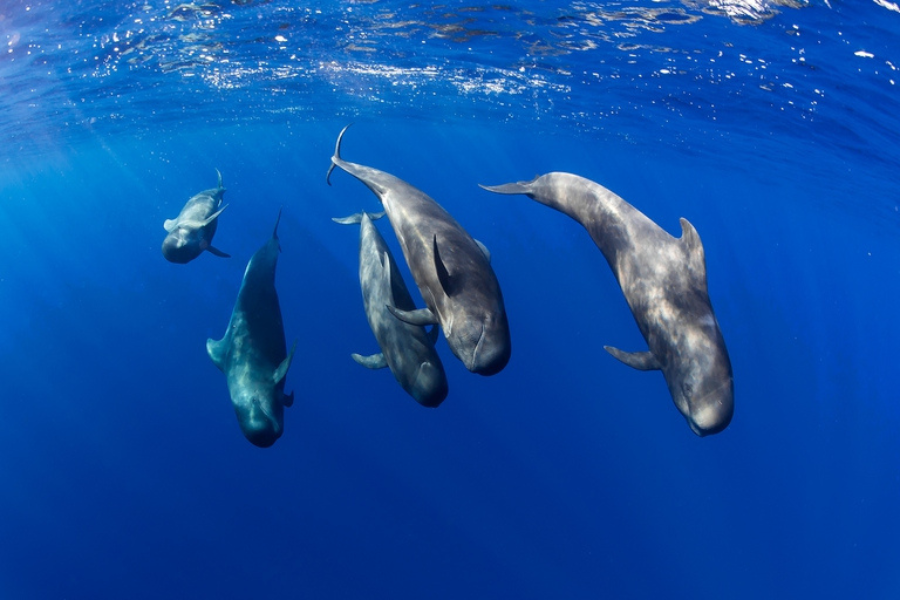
x=452, y=271
x=192, y=231
x=664, y=282
x=406, y=349
x=252, y=354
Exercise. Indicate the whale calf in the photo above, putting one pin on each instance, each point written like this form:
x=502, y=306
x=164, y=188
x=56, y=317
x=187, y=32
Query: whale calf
x=406, y=349
x=252, y=353
x=664, y=282
x=192, y=231
x=452, y=271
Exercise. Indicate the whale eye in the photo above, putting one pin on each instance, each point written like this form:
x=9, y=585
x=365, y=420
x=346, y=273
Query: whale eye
x=687, y=389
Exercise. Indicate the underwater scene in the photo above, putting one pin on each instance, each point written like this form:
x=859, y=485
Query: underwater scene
x=380, y=299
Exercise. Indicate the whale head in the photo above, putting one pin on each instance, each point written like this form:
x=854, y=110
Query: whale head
x=182, y=245
x=429, y=386
x=482, y=345
x=258, y=423
x=702, y=385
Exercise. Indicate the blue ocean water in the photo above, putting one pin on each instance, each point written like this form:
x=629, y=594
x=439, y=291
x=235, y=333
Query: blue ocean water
x=772, y=126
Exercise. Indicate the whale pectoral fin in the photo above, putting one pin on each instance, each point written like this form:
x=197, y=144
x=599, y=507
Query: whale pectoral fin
x=484, y=250
x=217, y=350
x=420, y=316
x=217, y=252
x=642, y=361
x=373, y=361
x=282, y=369
x=433, y=335
x=287, y=399
x=442, y=272
x=690, y=241
x=213, y=216
x=170, y=225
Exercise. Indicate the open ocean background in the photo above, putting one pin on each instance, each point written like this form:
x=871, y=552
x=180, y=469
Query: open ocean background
x=774, y=127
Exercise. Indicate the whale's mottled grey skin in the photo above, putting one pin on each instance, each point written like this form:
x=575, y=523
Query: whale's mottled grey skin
x=252, y=354
x=192, y=231
x=406, y=349
x=664, y=282
x=452, y=270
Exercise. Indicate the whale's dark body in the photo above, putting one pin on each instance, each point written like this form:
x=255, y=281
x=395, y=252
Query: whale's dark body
x=192, y=231
x=664, y=282
x=452, y=271
x=253, y=354
x=405, y=348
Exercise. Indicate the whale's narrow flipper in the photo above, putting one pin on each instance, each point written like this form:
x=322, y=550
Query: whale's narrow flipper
x=642, y=361
x=420, y=316
x=373, y=361
x=281, y=372
x=217, y=252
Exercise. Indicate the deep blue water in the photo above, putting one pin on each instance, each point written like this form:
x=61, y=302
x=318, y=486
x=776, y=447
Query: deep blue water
x=774, y=129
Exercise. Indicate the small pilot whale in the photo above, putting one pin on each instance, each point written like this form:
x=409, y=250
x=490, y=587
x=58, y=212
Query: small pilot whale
x=192, y=231
x=252, y=354
x=406, y=349
x=664, y=282
x=452, y=270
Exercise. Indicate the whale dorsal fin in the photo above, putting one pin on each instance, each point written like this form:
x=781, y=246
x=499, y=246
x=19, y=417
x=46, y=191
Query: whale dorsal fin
x=442, y=272
x=217, y=350
x=693, y=248
x=373, y=361
x=642, y=361
x=388, y=282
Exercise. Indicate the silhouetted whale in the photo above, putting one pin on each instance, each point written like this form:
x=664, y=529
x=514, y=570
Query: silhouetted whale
x=192, y=231
x=252, y=354
x=452, y=270
x=664, y=282
x=407, y=349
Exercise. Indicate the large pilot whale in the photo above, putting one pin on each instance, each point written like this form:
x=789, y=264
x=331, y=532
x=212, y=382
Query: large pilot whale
x=192, y=231
x=452, y=270
x=664, y=282
x=406, y=349
x=252, y=353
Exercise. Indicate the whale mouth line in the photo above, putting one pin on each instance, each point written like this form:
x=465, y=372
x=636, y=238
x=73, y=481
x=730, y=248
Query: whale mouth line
x=479, y=345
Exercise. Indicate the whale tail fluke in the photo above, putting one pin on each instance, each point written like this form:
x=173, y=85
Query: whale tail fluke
x=337, y=153
x=521, y=187
x=357, y=218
